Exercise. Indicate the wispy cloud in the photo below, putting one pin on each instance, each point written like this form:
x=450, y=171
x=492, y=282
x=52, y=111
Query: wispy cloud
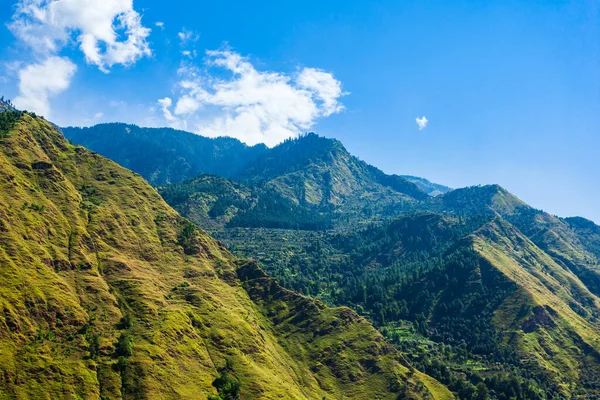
x=251, y=105
x=37, y=82
x=422, y=122
x=108, y=32
x=187, y=36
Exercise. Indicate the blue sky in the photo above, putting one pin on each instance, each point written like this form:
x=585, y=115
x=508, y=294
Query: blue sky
x=510, y=89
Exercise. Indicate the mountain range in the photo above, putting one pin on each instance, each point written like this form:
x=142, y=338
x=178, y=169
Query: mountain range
x=384, y=286
x=107, y=292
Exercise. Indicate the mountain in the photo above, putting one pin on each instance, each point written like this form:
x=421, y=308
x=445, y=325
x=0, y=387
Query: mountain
x=164, y=155
x=468, y=299
x=432, y=189
x=325, y=172
x=492, y=297
x=476, y=271
x=309, y=182
x=487, y=199
x=215, y=202
x=315, y=175
x=106, y=292
x=573, y=243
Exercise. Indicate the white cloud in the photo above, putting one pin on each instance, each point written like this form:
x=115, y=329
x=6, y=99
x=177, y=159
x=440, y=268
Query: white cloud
x=422, y=122
x=165, y=106
x=187, y=105
x=324, y=86
x=189, y=54
x=186, y=36
x=98, y=115
x=109, y=32
x=160, y=24
x=37, y=82
x=253, y=106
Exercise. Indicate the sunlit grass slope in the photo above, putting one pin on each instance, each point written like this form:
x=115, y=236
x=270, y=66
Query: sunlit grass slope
x=106, y=292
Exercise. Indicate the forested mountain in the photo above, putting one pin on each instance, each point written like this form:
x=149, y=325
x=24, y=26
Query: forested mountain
x=306, y=183
x=214, y=202
x=492, y=297
x=469, y=299
x=106, y=292
x=309, y=182
x=164, y=155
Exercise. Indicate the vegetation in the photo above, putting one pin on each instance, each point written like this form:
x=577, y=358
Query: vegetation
x=108, y=293
x=7, y=120
x=494, y=299
x=211, y=201
x=164, y=155
x=306, y=183
x=434, y=287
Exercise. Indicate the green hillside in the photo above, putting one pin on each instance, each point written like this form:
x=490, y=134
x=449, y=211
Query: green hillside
x=493, y=298
x=164, y=155
x=214, y=202
x=108, y=293
x=306, y=183
x=468, y=300
x=311, y=176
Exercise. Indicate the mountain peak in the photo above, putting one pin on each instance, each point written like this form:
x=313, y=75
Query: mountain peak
x=477, y=198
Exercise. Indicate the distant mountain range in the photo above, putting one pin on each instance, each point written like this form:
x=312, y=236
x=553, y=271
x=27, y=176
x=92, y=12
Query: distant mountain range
x=309, y=183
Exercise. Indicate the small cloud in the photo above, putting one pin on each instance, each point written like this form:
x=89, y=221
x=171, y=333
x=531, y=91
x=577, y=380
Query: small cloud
x=38, y=82
x=187, y=105
x=190, y=54
x=160, y=24
x=187, y=36
x=165, y=106
x=422, y=122
x=98, y=115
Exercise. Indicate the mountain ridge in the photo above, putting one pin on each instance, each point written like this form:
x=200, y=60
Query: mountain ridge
x=108, y=292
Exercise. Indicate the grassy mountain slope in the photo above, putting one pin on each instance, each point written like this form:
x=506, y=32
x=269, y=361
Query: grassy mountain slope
x=551, y=317
x=164, y=155
x=468, y=299
x=107, y=292
x=572, y=243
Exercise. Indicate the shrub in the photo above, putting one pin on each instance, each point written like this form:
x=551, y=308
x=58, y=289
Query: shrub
x=124, y=347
